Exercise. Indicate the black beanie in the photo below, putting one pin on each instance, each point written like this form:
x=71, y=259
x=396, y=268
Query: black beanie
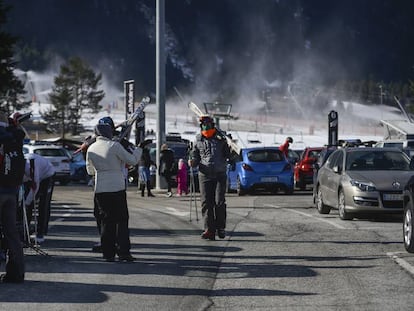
x=104, y=130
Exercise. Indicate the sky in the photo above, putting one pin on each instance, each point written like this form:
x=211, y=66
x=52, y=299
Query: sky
x=231, y=48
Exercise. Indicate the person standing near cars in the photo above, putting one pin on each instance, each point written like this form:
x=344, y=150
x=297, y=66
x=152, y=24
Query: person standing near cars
x=210, y=153
x=285, y=146
x=182, y=185
x=166, y=166
x=39, y=173
x=144, y=179
x=89, y=140
x=12, y=164
x=106, y=159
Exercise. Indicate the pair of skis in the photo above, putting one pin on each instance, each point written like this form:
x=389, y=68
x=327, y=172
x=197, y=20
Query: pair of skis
x=194, y=108
x=126, y=126
x=138, y=114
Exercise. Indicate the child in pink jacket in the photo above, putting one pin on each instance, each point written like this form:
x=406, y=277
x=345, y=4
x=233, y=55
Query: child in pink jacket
x=182, y=187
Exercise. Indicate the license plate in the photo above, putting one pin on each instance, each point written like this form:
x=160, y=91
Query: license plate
x=269, y=179
x=392, y=197
x=55, y=163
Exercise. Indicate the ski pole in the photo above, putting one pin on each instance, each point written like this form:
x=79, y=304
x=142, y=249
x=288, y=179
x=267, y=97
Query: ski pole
x=194, y=190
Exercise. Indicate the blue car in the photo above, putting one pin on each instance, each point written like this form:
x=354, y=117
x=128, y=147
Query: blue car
x=260, y=168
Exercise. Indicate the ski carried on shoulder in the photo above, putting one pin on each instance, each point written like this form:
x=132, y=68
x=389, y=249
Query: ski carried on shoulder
x=194, y=108
x=127, y=124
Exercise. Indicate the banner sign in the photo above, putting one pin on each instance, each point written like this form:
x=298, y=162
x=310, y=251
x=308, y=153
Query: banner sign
x=129, y=98
x=332, y=128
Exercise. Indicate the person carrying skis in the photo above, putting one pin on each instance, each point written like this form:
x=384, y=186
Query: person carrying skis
x=106, y=159
x=210, y=153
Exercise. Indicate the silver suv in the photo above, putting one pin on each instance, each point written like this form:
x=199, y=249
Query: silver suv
x=57, y=155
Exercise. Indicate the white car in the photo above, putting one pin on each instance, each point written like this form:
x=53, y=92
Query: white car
x=57, y=155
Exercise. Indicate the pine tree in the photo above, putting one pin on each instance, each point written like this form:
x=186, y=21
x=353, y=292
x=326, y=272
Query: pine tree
x=10, y=87
x=75, y=89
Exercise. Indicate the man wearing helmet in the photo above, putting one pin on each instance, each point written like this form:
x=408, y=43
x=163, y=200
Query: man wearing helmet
x=285, y=146
x=210, y=153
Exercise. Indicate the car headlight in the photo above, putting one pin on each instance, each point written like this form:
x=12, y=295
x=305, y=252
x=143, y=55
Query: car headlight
x=363, y=186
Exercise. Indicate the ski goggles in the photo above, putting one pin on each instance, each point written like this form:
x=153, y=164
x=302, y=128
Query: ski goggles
x=207, y=126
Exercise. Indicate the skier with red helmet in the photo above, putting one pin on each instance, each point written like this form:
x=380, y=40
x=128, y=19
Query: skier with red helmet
x=210, y=153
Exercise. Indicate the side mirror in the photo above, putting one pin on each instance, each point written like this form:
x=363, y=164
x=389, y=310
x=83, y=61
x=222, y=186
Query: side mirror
x=337, y=169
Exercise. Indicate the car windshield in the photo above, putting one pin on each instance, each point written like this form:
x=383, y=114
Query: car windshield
x=377, y=160
x=265, y=156
x=51, y=152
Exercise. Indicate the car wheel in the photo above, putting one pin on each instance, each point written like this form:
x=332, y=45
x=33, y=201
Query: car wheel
x=320, y=206
x=343, y=214
x=240, y=190
x=408, y=225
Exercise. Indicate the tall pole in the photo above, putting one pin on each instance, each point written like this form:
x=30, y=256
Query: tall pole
x=380, y=87
x=160, y=81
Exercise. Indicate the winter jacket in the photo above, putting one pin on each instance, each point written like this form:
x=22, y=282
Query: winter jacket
x=285, y=148
x=11, y=158
x=145, y=160
x=42, y=169
x=210, y=154
x=166, y=161
x=106, y=160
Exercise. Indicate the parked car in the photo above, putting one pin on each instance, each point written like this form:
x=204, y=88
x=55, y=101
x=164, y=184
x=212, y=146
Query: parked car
x=78, y=168
x=363, y=180
x=405, y=145
x=260, y=168
x=303, y=171
x=57, y=155
x=408, y=220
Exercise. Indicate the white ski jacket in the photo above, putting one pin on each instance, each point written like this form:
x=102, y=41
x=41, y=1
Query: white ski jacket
x=106, y=159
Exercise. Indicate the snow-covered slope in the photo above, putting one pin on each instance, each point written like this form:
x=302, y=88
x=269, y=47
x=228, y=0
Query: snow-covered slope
x=258, y=130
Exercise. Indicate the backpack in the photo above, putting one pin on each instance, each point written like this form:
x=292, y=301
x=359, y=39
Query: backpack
x=12, y=161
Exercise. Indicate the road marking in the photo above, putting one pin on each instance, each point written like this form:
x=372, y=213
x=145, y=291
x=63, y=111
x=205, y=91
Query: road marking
x=309, y=215
x=62, y=218
x=403, y=264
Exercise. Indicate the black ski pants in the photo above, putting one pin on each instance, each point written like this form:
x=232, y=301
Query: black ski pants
x=113, y=210
x=213, y=201
x=15, y=260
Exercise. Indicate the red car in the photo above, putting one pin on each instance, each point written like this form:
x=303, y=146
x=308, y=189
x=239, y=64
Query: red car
x=303, y=172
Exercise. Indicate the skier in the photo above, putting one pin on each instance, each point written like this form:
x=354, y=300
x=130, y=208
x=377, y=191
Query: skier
x=210, y=153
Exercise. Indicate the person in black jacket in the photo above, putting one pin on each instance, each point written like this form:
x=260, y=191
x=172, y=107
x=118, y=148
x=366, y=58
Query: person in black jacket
x=12, y=165
x=210, y=153
x=166, y=166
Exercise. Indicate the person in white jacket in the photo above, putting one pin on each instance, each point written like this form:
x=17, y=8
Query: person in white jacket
x=40, y=183
x=106, y=159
